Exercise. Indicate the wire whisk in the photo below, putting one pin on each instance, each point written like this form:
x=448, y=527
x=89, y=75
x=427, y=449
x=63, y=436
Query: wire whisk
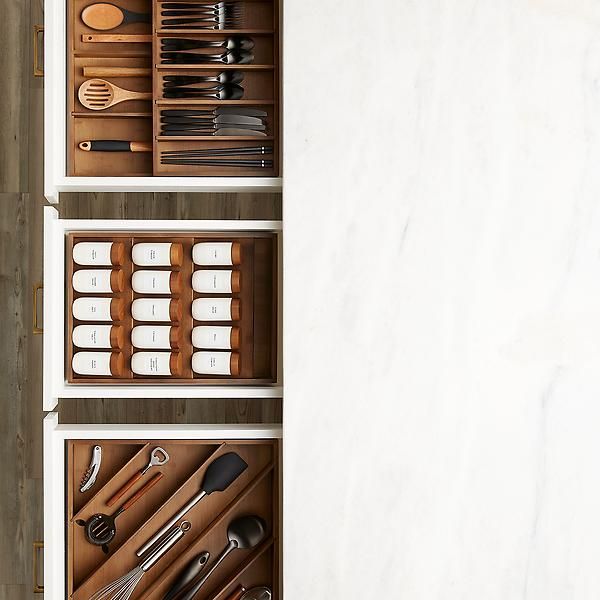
x=122, y=588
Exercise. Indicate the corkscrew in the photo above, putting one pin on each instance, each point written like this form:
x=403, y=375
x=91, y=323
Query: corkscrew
x=89, y=477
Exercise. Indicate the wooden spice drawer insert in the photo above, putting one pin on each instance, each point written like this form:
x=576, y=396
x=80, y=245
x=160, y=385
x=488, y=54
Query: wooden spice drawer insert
x=257, y=296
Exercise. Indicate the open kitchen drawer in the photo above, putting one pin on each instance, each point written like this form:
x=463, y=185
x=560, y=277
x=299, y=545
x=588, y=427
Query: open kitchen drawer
x=77, y=52
x=75, y=568
x=256, y=353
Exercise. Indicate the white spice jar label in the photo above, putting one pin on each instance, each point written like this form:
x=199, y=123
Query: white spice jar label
x=151, y=282
x=92, y=363
x=151, y=363
x=92, y=309
x=148, y=255
x=212, y=253
x=92, y=336
x=151, y=336
x=151, y=309
x=92, y=280
x=92, y=253
x=211, y=309
x=206, y=281
x=211, y=337
x=211, y=363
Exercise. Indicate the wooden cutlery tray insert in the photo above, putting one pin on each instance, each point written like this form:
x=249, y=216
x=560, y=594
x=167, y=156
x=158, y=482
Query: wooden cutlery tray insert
x=254, y=492
x=257, y=296
x=139, y=120
x=130, y=120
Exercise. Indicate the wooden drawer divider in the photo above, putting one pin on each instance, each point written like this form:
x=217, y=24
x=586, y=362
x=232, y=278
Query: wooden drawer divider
x=139, y=120
x=253, y=492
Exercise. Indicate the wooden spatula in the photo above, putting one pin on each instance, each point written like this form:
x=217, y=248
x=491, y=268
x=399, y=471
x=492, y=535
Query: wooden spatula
x=99, y=94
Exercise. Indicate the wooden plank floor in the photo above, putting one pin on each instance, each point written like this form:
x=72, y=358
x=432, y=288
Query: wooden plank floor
x=21, y=203
x=20, y=426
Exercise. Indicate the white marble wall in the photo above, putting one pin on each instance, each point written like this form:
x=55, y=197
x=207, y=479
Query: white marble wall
x=442, y=299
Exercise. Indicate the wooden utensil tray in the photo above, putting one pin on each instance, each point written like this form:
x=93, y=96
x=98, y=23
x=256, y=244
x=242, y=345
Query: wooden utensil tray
x=254, y=492
x=140, y=120
x=257, y=296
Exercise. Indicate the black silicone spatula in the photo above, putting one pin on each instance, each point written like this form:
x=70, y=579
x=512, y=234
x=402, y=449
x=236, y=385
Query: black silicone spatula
x=219, y=475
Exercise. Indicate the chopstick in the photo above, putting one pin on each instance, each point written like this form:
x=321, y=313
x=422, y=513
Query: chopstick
x=217, y=151
x=266, y=164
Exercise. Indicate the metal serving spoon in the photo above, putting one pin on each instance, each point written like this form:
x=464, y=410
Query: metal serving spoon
x=243, y=533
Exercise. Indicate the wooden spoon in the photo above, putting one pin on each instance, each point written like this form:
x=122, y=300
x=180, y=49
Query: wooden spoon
x=103, y=16
x=98, y=94
x=131, y=38
x=100, y=71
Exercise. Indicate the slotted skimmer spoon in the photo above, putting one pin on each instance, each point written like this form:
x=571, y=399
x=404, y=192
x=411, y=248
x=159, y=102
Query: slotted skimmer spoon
x=99, y=94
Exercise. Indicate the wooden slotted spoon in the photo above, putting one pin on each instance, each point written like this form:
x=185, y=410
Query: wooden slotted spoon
x=99, y=94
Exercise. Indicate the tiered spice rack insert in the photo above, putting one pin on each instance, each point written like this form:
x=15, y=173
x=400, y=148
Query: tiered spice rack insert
x=258, y=299
x=140, y=120
x=254, y=492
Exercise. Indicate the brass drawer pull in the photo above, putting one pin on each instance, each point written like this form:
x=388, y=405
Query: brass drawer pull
x=38, y=547
x=38, y=69
x=37, y=330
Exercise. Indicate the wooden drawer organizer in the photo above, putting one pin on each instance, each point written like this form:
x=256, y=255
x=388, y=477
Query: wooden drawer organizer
x=254, y=492
x=139, y=120
x=258, y=299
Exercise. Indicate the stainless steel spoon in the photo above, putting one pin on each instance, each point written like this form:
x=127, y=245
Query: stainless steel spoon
x=231, y=57
x=230, y=43
x=220, y=92
x=174, y=81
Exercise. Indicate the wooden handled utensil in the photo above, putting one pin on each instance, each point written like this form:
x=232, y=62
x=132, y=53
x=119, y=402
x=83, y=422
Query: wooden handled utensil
x=158, y=458
x=114, y=146
x=104, y=15
x=99, y=94
x=116, y=72
x=100, y=529
x=117, y=37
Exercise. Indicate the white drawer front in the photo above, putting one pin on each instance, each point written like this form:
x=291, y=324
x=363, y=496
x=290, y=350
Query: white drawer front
x=56, y=179
x=56, y=479
x=55, y=385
